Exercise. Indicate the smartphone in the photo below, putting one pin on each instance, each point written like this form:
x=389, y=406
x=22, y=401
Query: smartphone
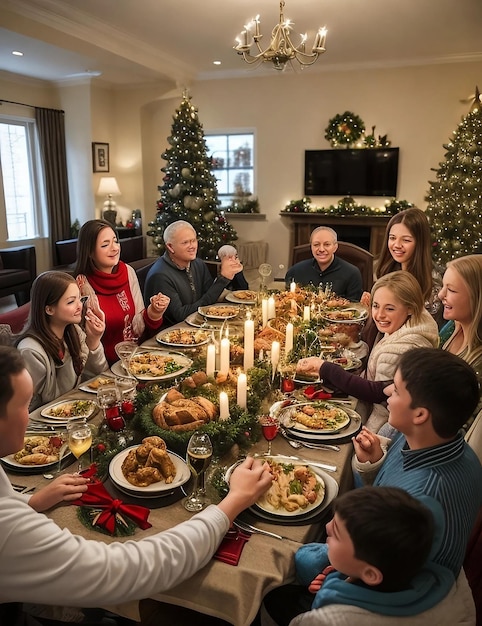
x=84, y=300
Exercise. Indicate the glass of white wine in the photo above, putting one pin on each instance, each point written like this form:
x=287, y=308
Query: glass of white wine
x=198, y=456
x=80, y=439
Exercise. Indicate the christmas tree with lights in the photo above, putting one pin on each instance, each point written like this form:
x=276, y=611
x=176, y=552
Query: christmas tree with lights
x=455, y=198
x=189, y=189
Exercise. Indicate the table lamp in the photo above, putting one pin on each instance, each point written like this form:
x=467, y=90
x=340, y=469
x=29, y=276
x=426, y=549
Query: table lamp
x=108, y=187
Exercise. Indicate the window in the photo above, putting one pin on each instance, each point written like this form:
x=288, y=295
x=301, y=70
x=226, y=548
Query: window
x=20, y=180
x=232, y=157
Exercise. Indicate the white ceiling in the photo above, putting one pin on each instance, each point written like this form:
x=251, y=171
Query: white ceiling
x=145, y=41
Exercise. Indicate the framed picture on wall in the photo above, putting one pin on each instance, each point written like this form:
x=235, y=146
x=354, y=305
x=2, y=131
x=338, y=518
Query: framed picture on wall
x=100, y=157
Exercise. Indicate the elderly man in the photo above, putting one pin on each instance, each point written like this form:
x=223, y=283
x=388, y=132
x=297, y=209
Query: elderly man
x=185, y=278
x=326, y=268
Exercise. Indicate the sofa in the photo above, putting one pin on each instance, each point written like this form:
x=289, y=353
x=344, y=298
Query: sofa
x=18, y=268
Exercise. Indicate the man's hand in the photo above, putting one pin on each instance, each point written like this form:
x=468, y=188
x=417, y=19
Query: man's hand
x=367, y=446
x=65, y=488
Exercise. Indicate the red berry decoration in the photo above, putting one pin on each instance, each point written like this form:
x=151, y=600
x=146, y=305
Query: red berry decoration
x=128, y=408
x=101, y=447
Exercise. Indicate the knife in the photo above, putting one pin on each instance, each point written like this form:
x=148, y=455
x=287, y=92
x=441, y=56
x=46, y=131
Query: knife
x=324, y=466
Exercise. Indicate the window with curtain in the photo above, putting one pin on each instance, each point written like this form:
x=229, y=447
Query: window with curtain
x=21, y=179
x=232, y=158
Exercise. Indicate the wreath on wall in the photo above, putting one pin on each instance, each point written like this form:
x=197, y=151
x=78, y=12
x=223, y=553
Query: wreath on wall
x=344, y=129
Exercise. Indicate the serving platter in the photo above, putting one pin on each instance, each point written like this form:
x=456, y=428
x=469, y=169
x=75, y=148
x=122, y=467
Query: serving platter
x=184, y=337
x=219, y=311
x=242, y=296
x=144, y=364
x=154, y=490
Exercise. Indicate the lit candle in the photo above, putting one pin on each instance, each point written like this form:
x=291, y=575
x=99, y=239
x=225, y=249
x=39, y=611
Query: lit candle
x=223, y=406
x=306, y=313
x=271, y=308
x=224, y=356
x=211, y=360
x=256, y=25
x=275, y=356
x=264, y=311
x=293, y=286
x=248, y=343
x=242, y=391
x=289, y=338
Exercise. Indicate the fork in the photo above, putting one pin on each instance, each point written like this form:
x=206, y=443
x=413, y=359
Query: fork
x=248, y=528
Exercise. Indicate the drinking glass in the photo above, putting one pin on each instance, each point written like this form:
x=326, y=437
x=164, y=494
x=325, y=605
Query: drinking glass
x=124, y=350
x=109, y=400
x=269, y=427
x=265, y=270
x=79, y=438
x=198, y=457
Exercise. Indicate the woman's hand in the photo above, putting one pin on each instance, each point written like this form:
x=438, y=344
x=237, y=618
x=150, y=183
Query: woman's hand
x=230, y=266
x=158, y=305
x=367, y=446
x=94, y=327
x=310, y=366
x=65, y=488
x=366, y=299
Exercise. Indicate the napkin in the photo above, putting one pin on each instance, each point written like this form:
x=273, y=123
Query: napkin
x=111, y=510
x=231, y=546
x=312, y=394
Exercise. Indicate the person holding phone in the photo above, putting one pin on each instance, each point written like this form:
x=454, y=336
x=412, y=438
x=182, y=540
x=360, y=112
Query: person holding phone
x=62, y=340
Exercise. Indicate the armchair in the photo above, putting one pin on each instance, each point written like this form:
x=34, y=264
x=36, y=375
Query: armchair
x=18, y=268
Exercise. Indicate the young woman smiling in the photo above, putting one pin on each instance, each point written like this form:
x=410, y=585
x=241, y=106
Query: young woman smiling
x=57, y=351
x=403, y=323
x=114, y=288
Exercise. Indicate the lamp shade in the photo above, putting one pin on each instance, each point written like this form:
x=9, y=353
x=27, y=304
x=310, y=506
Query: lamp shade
x=108, y=186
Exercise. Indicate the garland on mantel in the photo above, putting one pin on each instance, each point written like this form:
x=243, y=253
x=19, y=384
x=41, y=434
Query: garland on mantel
x=347, y=206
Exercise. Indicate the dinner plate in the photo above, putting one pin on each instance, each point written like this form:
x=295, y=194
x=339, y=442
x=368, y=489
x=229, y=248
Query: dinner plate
x=10, y=463
x=91, y=386
x=236, y=296
x=183, y=337
x=181, y=360
x=286, y=417
x=348, y=363
x=67, y=410
x=359, y=312
x=219, y=311
x=183, y=474
x=310, y=436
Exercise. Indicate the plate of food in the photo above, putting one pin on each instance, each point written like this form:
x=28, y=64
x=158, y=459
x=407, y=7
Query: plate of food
x=154, y=365
x=39, y=452
x=347, y=315
x=318, y=417
x=67, y=410
x=219, y=311
x=91, y=386
x=183, y=337
x=148, y=469
x=347, y=362
x=242, y=296
x=317, y=436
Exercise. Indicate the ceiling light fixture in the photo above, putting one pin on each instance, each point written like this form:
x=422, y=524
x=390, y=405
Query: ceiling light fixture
x=281, y=49
x=17, y=53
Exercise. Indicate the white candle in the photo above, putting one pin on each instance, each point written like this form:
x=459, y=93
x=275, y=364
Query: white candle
x=293, y=286
x=289, y=338
x=271, y=308
x=223, y=406
x=242, y=390
x=248, y=344
x=275, y=356
x=264, y=311
x=306, y=313
x=224, y=357
x=210, y=360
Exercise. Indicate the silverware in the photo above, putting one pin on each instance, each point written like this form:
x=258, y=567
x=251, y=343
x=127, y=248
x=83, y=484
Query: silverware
x=254, y=530
x=22, y=488
x=294, y=443
x=325, y=466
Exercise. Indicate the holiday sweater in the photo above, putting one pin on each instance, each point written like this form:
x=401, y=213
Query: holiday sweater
x=119, y=296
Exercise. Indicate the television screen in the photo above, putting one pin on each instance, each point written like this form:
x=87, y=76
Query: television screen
x=364, y=172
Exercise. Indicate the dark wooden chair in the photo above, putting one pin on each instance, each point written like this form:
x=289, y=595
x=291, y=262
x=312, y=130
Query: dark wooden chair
x=349, y=252
x=18, y=268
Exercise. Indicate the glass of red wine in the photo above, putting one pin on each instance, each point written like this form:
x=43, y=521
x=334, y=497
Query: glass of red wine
x=269, y=428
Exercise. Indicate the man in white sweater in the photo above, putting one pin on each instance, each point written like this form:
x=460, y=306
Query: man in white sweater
x=48, y=564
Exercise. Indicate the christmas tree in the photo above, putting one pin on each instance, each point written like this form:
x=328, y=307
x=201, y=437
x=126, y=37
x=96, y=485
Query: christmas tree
x=189, y=189
x=455, y=199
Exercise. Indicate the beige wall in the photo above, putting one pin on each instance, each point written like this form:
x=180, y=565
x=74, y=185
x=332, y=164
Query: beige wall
x=417, y=107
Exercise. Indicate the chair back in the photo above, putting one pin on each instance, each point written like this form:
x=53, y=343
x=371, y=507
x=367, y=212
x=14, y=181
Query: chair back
x=348, y=252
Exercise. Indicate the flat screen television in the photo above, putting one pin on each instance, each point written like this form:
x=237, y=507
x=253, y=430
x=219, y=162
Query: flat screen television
x=363, y=172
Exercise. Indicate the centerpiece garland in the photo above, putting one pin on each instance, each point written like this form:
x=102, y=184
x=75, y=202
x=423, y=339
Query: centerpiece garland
x=347, y=206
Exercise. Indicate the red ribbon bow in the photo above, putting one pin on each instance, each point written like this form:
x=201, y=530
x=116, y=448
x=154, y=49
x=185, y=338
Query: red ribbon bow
x=98, y=497
x=311, y=393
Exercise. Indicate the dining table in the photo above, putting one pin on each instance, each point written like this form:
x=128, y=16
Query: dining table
x=233, y=593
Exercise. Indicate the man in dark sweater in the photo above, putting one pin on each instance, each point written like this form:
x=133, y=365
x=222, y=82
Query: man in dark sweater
x=327, y=269
x=184, y=277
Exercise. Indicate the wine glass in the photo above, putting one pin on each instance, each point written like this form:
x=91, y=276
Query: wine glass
x=109, y=399
x=79, y=438
x=124, y=350
x=269, y=428
x=265, y=270
x=198, y=457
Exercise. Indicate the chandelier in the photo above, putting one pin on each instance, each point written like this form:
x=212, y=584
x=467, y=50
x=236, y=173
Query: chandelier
x=280, y=49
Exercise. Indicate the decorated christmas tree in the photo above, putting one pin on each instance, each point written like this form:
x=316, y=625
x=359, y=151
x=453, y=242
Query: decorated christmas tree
x=189, y=189
x=455, y=198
